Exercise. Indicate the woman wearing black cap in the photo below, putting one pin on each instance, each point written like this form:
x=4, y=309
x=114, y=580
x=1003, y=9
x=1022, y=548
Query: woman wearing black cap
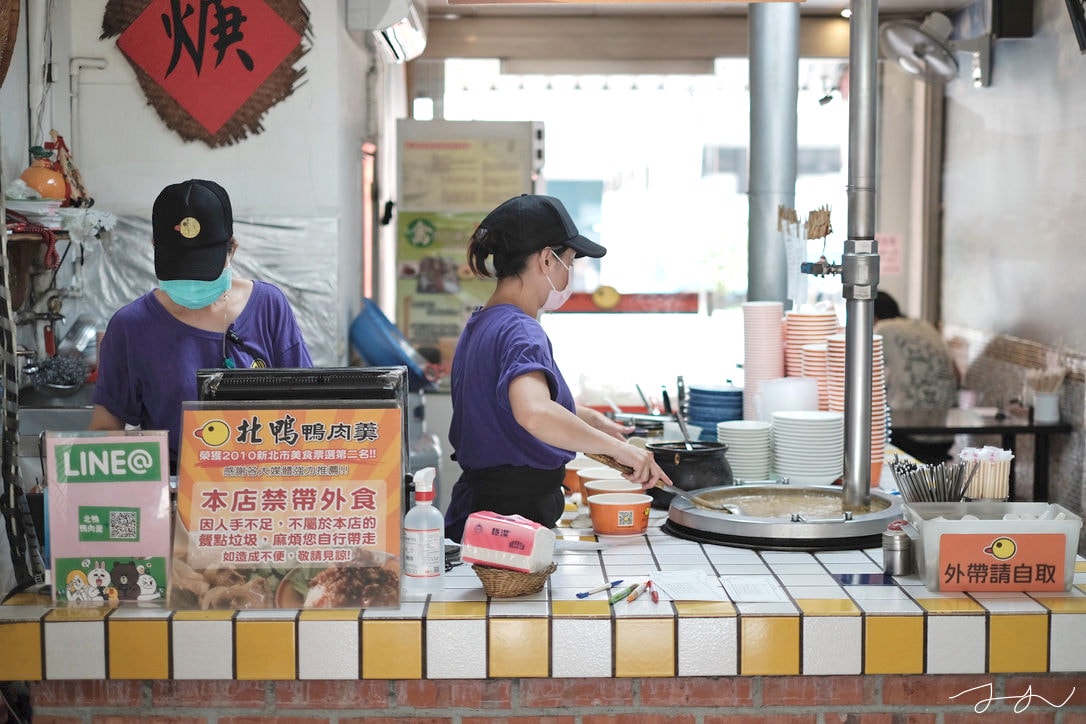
x=515, y=424
x=201, y=316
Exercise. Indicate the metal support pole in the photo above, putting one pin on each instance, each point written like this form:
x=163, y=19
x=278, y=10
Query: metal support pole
x=860, y=262
x=774, y=95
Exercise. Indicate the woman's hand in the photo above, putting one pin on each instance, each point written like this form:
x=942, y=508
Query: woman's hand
x=603, y=423
x=645, y=469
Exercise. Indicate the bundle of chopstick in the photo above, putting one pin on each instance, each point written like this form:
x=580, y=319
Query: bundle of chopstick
x=942, y=483
x=1046, y=380
x=993, y=466
x=818, y=223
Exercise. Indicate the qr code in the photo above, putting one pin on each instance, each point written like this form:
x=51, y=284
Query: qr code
x=625, y=518
x=123, y=525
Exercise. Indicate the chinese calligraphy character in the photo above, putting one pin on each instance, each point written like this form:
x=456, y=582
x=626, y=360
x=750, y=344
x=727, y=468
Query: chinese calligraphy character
x=249, y=432
x=226, y=31
x=283, y=431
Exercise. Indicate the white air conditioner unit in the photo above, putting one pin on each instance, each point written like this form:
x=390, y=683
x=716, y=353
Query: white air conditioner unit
x=398, y=30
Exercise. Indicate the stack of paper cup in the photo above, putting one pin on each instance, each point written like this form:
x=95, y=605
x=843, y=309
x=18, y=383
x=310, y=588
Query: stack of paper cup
x=763, y=350
x=992, y=478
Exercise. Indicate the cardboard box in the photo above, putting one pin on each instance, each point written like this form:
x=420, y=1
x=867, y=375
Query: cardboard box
x=1035, y=552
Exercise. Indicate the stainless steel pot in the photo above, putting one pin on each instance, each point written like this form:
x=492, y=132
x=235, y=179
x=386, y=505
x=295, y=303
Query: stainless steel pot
x=705, y=466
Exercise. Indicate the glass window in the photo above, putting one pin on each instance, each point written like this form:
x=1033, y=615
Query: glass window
x=655, y=168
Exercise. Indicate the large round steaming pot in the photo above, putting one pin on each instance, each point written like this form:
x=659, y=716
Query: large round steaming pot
x=705, y=466
x=799, y=517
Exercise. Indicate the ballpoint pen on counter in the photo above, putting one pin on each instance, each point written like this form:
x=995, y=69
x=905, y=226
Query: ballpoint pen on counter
x=637, y=592
x=600, y=589
x=622, y=594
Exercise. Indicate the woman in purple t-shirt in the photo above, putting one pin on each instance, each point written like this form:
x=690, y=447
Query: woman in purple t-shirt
x=200, y=316
x=515, y=424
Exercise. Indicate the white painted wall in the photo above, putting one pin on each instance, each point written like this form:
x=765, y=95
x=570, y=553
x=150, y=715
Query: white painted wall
x=1014, y=191
x=305, y=165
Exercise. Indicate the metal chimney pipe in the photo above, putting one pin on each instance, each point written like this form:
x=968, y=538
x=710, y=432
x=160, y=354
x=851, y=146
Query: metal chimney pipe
x=774, y=95
x=860, y=261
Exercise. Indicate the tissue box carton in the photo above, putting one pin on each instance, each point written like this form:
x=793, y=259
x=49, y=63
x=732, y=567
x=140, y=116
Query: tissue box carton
x=507, y=541
x=993, y=554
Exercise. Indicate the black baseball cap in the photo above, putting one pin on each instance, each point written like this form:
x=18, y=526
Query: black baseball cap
x=531, y=222
x=192, y=224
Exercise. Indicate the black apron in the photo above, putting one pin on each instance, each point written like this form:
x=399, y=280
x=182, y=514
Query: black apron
x=507, y=490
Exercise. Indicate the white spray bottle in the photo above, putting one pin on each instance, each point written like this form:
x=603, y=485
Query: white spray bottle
x=424, y=539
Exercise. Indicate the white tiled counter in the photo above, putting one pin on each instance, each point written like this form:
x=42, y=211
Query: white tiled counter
x=797, y=613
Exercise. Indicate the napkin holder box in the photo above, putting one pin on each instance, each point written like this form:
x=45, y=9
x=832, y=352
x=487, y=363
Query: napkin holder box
x=507, y=541
x=991, y=553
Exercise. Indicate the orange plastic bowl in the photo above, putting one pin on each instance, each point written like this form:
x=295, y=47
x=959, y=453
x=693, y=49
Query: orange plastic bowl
x=619, y=513
x=572, y=480
x=608, y=485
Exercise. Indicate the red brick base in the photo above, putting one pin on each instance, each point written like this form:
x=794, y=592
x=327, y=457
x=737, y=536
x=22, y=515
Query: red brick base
x=931, y=699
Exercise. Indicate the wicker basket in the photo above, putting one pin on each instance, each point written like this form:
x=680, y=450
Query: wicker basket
x=503, y=583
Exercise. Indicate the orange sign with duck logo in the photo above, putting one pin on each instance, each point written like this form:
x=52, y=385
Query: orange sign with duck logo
x=1002, y=562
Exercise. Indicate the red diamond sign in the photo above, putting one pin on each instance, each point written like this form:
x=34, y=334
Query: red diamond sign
x=211, y=57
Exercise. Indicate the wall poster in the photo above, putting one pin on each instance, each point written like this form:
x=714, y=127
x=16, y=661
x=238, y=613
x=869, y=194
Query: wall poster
x=451, y=174
x=288, y=505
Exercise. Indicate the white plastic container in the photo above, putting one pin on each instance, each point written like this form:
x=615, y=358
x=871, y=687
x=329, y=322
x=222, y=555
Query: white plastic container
x=1010, y=548
x=424, y=539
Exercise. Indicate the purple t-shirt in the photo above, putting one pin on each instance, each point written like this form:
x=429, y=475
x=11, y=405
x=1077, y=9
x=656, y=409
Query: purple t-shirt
x=148, y=359
x=499, y=344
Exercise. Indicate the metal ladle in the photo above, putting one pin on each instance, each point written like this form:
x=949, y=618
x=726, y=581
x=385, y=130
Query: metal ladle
x=682, y=428
x=692, y=499
x=696, y=500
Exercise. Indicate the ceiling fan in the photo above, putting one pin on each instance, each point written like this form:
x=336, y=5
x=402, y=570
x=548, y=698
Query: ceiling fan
x=926, y=51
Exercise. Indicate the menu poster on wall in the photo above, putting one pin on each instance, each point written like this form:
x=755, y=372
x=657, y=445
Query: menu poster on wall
x=451, y=174
x=109, y=516
x=436, y=289
x=288, y=506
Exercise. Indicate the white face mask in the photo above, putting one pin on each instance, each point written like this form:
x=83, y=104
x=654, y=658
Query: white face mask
x=556, y=298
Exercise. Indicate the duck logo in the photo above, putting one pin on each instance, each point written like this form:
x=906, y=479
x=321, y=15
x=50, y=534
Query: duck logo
x=214, y=433
x=1002, y=548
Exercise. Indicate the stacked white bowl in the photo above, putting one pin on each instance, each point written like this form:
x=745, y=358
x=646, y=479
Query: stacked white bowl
x=809, y=445
x=749, y=447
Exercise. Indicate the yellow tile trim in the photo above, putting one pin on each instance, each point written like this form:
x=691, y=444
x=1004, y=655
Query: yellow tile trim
x=828, y=607
x=769, y=645
x=24, y=637
x=456, y=609
x=561, y=535
x=894, y=645
x=139, y=649
x=1066, y=604
x=330, y=614
x=950, y=605
x=1018, y=643
x=1080, y=566
x=391, y=649
x=28, y=599
x=211, y=615
x=644, y=647
x=519, y=648
x=265, y=650
x=68, y=615
x=581, y=608
x=704, y=609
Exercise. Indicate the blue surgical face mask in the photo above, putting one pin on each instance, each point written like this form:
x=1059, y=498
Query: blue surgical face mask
x=196, y=294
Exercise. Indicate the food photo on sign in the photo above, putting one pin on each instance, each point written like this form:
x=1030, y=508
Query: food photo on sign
x=288, y=505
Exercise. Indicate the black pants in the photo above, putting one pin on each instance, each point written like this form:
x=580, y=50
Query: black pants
x=506, y=490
